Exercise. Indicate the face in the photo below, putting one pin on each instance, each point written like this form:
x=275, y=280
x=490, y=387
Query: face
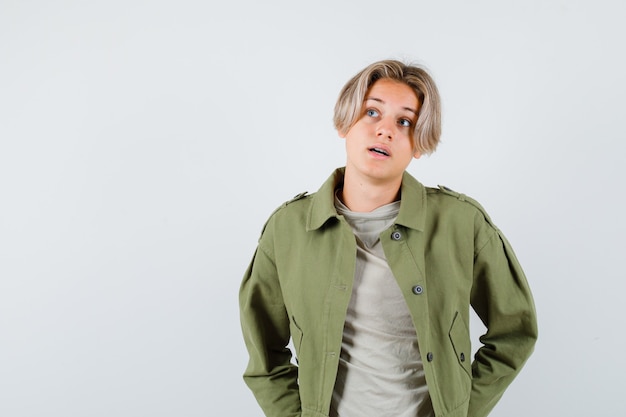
x=379, y=146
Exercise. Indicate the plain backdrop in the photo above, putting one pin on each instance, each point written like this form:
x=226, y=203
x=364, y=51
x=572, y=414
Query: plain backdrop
x=143, y=144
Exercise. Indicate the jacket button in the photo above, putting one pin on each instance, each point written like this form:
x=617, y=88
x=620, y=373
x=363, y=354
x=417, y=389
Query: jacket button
x=429, y=356
x=396, y=235
x=462, y=357
x=417, y=290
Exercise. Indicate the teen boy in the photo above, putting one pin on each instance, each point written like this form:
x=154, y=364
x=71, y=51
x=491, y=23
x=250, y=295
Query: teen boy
x=373, y=276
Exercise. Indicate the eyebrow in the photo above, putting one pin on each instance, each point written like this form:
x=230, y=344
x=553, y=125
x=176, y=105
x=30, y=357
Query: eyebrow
x=383, y=102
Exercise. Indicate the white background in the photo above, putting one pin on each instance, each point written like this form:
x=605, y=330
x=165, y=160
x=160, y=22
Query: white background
x=144, y=143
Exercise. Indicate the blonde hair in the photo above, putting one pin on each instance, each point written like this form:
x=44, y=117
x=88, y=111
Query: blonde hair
x=349, y=106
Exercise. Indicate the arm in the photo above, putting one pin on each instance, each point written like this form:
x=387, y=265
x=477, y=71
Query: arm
x=502, y=299
x=265, y=324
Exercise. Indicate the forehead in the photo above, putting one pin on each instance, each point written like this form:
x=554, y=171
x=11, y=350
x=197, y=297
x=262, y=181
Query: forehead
x=393, y=92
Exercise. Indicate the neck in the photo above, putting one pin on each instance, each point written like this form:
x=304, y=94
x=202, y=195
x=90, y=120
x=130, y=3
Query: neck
x=365, y=196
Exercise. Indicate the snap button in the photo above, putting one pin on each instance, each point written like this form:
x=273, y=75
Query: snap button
x=417, y=290
x=429, y=356
x=396, y=235
x=462, y=357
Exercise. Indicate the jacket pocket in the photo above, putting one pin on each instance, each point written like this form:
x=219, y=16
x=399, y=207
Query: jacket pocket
x=461, y=343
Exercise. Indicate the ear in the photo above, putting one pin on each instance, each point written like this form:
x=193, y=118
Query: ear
x=417, y=155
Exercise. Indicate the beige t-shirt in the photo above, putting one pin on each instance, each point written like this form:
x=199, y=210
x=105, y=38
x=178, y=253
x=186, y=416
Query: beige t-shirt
x=380, y=367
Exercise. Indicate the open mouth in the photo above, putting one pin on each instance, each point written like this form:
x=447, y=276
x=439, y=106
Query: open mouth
x=379, y=151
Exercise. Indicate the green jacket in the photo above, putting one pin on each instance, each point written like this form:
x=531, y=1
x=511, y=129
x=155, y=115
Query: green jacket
x=445, y=254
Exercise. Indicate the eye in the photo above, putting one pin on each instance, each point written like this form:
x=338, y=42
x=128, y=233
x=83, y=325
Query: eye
x=405, y=122
x=371, y=113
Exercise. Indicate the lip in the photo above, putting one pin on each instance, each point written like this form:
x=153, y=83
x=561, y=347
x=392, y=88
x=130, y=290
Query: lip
x=382, y=148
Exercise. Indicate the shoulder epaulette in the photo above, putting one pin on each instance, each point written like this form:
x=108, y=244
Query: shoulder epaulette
x=450, y=191
x=285, y=204
x=297, y=197
x=463, y=197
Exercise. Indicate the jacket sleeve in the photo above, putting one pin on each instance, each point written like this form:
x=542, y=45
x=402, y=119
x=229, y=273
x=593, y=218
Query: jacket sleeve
x=502, y=299
x=265, y=324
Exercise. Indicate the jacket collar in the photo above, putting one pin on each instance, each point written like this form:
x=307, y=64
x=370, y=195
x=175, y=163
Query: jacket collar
x=412, y=206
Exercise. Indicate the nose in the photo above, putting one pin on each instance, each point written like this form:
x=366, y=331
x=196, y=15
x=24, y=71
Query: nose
x=384, y=129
